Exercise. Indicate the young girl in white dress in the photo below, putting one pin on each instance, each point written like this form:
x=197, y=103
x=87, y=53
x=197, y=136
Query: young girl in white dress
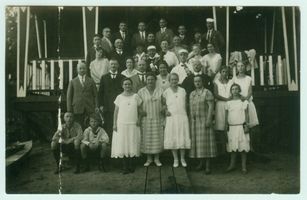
x=236, y=117
x=211, y=62
x=222, y=95
x=126, y=135
x=176, y=133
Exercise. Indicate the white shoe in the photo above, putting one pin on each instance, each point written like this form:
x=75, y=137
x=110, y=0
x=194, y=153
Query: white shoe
x=158, y=163
x=148, y=162
x=176, y=163
x=183, y=163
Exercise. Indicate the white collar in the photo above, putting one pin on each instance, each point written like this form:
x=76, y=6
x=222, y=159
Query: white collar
x=112, y=73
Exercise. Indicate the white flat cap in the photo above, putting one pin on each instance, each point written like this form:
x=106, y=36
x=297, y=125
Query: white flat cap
x=182, y=51
x=151, y=47
x=210, y=20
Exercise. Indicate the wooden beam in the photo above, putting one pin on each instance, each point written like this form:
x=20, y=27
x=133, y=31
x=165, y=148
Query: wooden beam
x=38, y=39
x=284, y=26
x=227, y=35
x=45, y=38
x=273, y=33
x=295, y=86
x=96, y=19
x=214, y=17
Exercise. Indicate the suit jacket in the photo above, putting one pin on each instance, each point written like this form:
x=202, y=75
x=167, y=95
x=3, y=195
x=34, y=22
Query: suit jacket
x=106, y=46
x=126, y=41
x=216, y=39
x=167, y=35
x=108, y=91
x=185, y=42
x=137, y=40
x=121, y=59
x=80, y=98
x=188, y=83
x=137, y=83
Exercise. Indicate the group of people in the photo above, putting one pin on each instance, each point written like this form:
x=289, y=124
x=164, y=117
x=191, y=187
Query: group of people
x=178, y=99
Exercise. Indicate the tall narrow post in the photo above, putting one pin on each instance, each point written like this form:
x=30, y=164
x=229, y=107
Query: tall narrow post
x=295, y=49
x=214, y=17
x=45, y=38
x=227, y=35
x=84, y=31
x=273, y=33
x=284, y=26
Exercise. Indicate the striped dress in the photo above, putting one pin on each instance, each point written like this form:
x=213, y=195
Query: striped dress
x=152, y=124
x=203, y=140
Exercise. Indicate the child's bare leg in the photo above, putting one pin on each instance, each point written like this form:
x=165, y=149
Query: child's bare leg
x=207, y=171
x=175, y=155
x=232, y=161
x=243, y=160
x=182, y=159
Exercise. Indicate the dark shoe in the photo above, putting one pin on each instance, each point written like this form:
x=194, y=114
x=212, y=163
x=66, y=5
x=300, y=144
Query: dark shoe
x=77, y=170
x=57, y=171
x=101, y=166
x=230, y=169
x=207, y=171
x=199, y=167
x=244, y=171
x=126, y=171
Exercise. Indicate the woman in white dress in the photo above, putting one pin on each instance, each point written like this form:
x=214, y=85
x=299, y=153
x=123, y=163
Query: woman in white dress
x=211, y=62
x=99, y=67
x=245, y=83
x=237, y=125
x=222, y=95
x=130, y=71
x=176, y=133
x=126, y=131
x=163, y=77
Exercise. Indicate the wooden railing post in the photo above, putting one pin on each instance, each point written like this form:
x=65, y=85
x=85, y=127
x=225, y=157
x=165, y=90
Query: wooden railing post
x=43, y=66
x=52, y=74
x=34, y=75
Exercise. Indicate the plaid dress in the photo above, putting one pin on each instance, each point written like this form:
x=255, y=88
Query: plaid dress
x=203, y=140
x=152, y=124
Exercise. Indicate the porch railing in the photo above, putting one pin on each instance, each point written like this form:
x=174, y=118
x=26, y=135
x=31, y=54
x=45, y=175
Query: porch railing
x=46, y=76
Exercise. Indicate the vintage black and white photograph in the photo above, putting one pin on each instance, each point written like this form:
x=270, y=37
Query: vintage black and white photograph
x=152, y=99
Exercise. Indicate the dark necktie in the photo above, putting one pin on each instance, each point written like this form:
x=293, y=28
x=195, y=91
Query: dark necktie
x=113, y=76
x=142, y=77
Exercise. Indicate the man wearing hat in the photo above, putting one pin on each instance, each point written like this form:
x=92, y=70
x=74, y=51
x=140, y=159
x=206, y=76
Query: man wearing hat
x=183, y=69
x=152, y=59
x=213, y=36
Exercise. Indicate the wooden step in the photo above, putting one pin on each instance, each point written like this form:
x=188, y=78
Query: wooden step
x=166, y=180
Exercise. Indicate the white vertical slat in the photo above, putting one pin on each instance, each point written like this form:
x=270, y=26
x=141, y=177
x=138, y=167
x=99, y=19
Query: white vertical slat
x=84, y=31
x=52, y=74
x=279, y=70
x=61, y=74
x=96, y=19
x=261, y=71
x=214, y=17
x=70, y=69
x=253, y=72
x=34, y=75
x=234, y=71
x=271, y=78
x=43, y=66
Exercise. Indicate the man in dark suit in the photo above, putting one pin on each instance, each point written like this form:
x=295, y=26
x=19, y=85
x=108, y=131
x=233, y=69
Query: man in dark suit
x=164, y=33
x=110, y=87
x=188, y=82
x=82, y=96
x=91, y=53
x=124, y=35
x=139, y=80
x=213, y=36
x=139, y=38
x=185, y=40
x=120, y=54
x=106, y=43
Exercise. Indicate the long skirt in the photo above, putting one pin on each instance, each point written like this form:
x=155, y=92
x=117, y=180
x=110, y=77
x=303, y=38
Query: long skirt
x=177, y=134
x=126, y=141
x=203, y=144
x=152, y=136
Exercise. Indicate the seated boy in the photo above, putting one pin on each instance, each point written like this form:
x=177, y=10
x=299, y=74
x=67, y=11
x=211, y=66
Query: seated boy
x=69, y=140
x=95, y=139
